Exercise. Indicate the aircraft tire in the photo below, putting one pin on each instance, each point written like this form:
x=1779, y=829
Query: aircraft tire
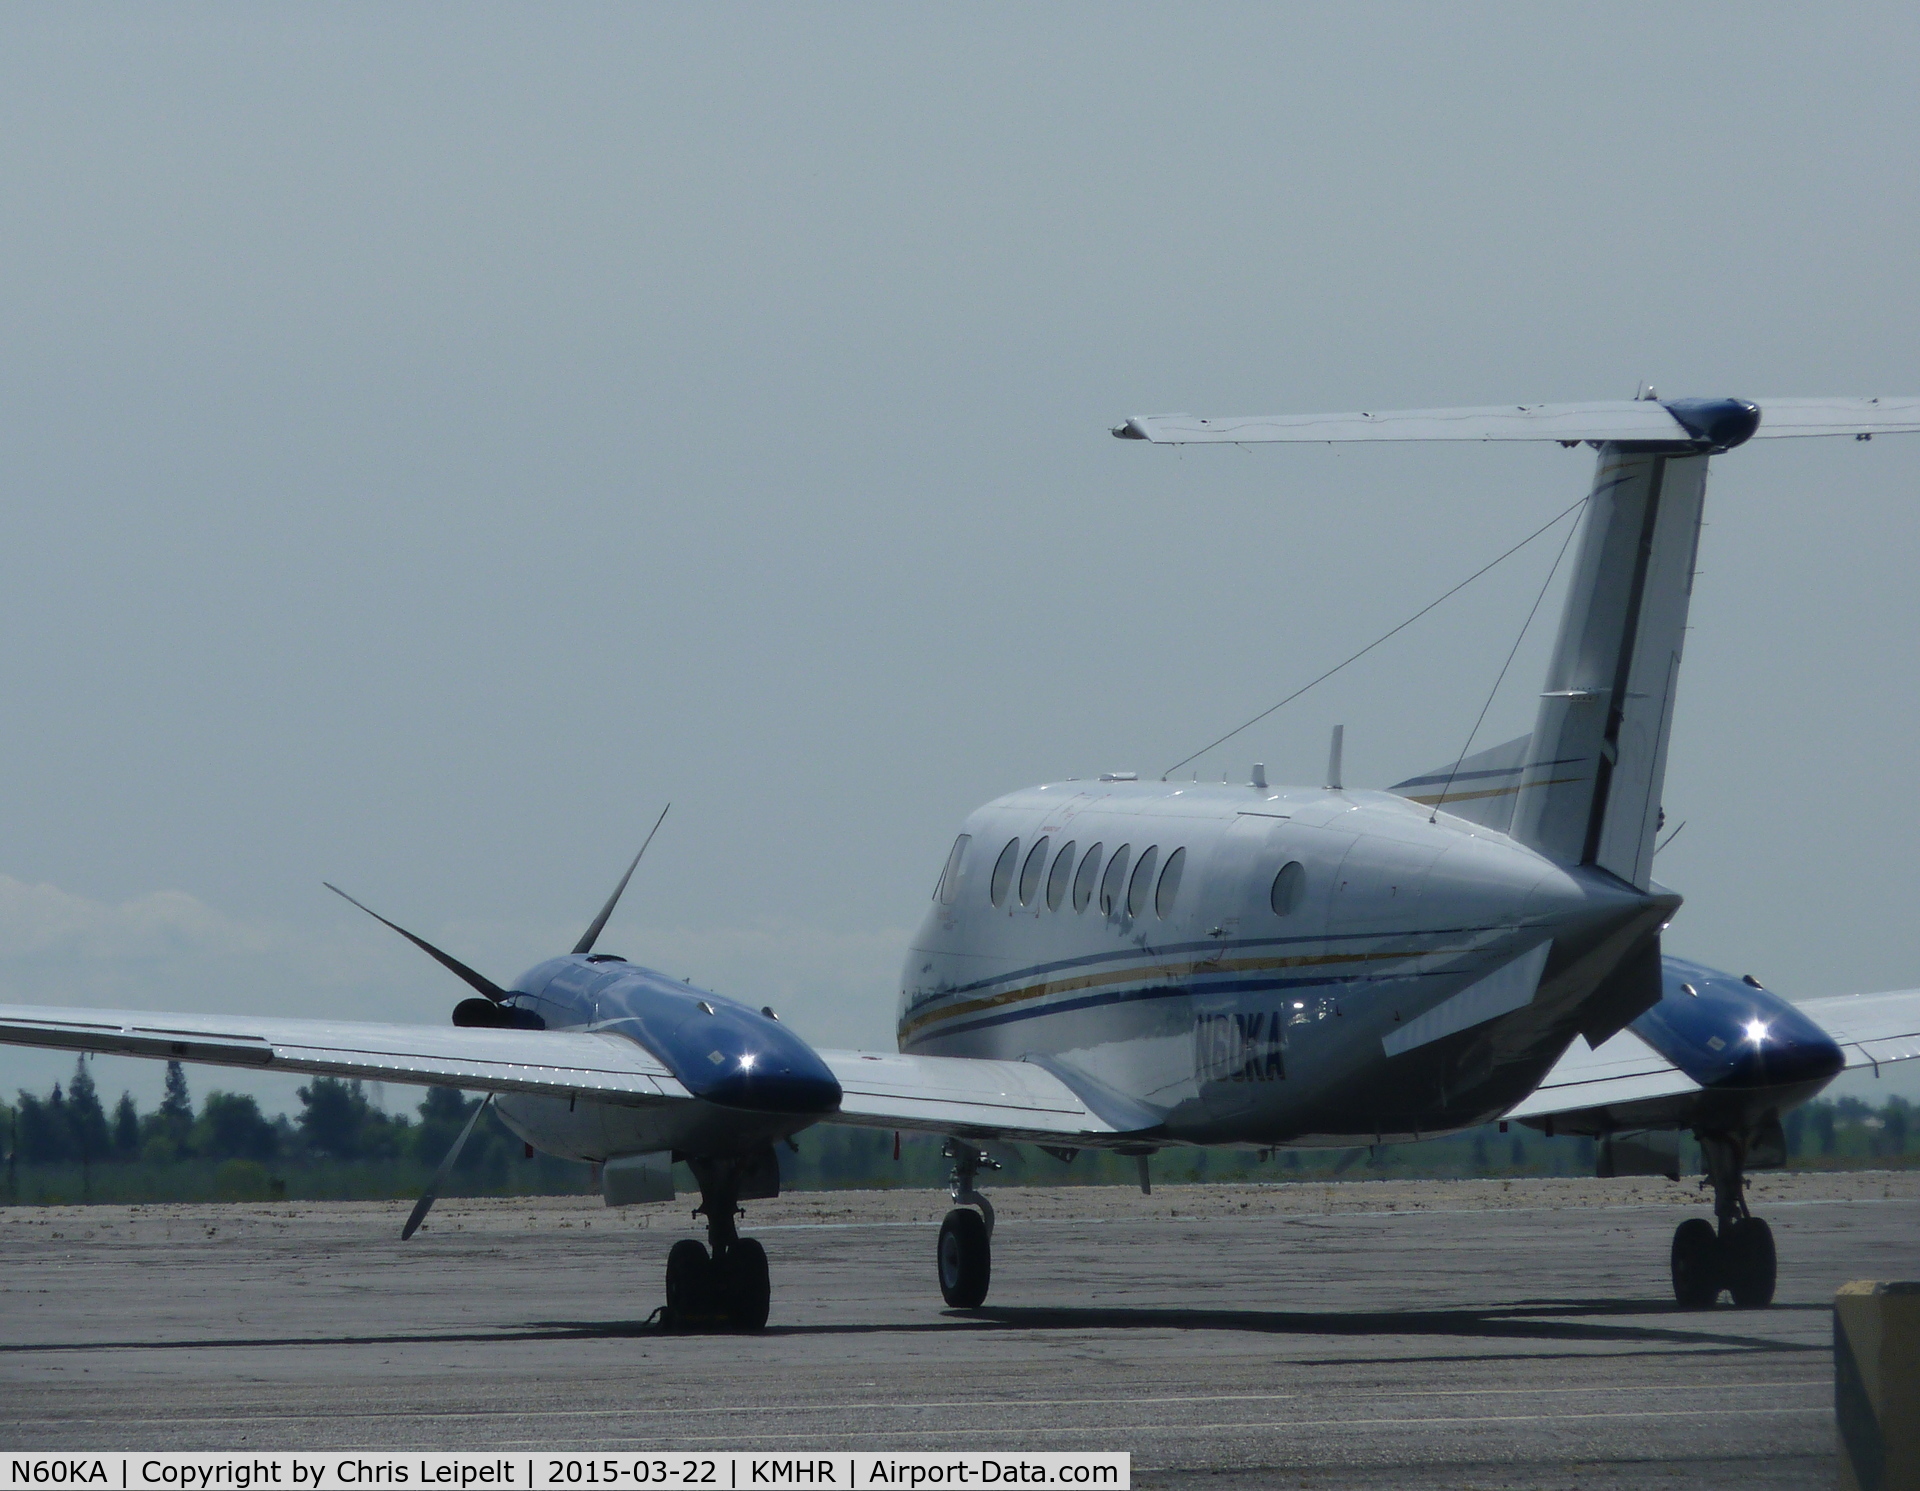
x=966, y=1259
x=690, y=1285
x=1748, y=1263
x=1696, y=1263
x=743, y=1280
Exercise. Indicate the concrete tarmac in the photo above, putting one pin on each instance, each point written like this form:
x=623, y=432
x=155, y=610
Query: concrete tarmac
x=1390, y=1334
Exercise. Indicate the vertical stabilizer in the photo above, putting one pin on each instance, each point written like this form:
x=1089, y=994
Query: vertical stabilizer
x=1599, y=752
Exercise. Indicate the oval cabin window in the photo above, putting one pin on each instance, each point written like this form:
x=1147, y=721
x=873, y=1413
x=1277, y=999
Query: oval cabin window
x=949, y=885
x=1141, y=885
x=1030, y=872
x=1003, y=873
x=1057, y=880
x=1169, y=883
x=1083, y=882
x=1115, y=880
x=1288, y=887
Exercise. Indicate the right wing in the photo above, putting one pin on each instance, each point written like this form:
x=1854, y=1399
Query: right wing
x=1010, y=1100
x=553, y=1063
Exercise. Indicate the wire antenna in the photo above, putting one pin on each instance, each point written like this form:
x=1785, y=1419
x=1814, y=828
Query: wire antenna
x=1434, y=816
x=1373, y=644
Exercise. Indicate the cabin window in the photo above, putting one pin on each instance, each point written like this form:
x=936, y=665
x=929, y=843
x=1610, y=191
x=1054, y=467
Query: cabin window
x=1288, y=887
x=1115, y=880
x=1169, y=883
x=1003, y=873
x=1057, y=880
x=949, y=885
x=1083, y=882
x=1141, y=886
x=1030, y=872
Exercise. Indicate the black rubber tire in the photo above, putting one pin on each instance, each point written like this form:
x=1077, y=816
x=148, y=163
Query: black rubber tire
x=745, y=1286
x=1748, y=1263
x=1696, y=1264
x=965, y=1259
x=690, y=1285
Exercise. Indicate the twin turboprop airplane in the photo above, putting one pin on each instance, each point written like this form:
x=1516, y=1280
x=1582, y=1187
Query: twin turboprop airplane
x=1135, y=965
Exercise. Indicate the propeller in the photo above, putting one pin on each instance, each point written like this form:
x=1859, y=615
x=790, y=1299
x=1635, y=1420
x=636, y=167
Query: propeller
x=432, y=1192
x=446, y=960
x=592, y=934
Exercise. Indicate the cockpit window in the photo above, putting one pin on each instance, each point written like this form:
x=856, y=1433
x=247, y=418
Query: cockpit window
x=1141, y=886
x=1083, y=882
x=1115, y=880
x=1057, y=878
x=1169, y=883
x=1030, y=872
x=949, y=885
x=1003, y=873
x=1288, y=886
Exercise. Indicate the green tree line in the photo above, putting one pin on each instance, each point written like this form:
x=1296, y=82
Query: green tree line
x=66, y=1145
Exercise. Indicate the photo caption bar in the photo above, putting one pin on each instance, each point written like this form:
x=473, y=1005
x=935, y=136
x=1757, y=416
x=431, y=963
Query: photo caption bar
x=521, y=1471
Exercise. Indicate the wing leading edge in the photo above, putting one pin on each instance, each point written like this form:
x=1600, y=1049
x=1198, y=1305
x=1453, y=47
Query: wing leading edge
x=1870, y=1029
x=556, y=1063
x=940, y=1094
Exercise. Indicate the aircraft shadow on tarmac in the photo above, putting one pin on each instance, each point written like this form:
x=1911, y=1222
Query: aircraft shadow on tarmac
x=1566, y=1321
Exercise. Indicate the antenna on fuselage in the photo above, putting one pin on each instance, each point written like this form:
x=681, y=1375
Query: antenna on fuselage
x=592, y=934
x=1333, y=758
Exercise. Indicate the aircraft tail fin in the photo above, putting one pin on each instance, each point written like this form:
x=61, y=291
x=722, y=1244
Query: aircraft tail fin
x=1604, y=717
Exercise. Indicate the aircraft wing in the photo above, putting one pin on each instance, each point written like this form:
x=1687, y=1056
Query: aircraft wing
x=941, y=1094
x=557, y=1063
x=1870, y=1028
x=961, y=1095
x=1621, y=1069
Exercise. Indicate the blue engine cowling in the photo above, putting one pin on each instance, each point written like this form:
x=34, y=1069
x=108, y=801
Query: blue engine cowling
x=1729, y=1034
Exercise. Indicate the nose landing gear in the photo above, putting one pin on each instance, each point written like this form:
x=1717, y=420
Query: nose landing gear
x=966, y=1253
x=727, y=1288
x=1740, y=1257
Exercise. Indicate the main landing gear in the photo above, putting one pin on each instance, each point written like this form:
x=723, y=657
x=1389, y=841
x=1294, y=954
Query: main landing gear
x=966, y=1252
x=727, y=1288
x=1739, y=1258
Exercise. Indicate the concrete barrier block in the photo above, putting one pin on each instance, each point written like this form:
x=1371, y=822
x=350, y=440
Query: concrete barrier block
x=1876, y=1385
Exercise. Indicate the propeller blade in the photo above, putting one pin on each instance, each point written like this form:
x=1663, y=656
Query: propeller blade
x=432, y=1192
x=446, y=960
x=592, y=935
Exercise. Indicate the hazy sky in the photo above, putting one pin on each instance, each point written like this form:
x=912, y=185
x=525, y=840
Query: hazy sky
x=436, y=436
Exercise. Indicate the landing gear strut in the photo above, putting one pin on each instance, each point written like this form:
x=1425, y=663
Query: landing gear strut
x=1740, y=1257
x=726, y=1288
x=966, y=1252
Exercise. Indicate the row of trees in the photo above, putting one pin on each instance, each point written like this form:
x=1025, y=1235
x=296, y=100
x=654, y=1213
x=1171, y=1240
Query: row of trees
x=341, y=1144
x=336, y=1122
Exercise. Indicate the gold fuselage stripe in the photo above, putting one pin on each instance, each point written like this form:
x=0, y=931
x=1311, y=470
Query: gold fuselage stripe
x=1184, y=969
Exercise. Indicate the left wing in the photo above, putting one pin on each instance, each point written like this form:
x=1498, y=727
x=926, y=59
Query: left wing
x=1869, y=1028
x=1614, y=1083
x=1621, y=1069
x=961, y=1095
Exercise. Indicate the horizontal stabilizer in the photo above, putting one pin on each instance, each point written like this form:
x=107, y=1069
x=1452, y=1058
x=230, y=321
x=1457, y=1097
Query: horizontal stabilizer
x=1784, y=417
x=1480, y=788
x=1698, y=424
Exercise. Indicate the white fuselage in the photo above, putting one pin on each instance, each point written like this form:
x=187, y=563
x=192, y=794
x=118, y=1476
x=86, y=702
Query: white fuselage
x=1226, y=1010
